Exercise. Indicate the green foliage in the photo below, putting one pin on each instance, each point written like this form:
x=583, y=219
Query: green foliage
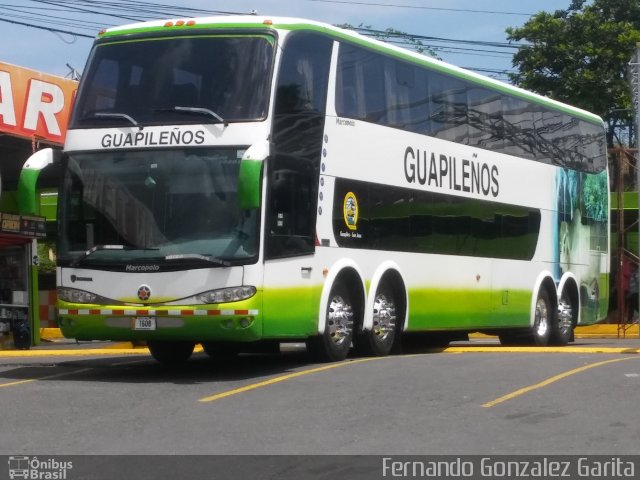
x=595, y=197
x=580, y=56
x=45, y=264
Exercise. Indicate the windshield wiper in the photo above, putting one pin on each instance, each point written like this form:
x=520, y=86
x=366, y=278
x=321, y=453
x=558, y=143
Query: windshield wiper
x=111, y=115
x=198, y=256
x=97, y=248
x=196, y=111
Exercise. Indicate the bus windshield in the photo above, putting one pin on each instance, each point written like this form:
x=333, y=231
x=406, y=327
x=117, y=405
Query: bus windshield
x=176, y=208
x=177, y=80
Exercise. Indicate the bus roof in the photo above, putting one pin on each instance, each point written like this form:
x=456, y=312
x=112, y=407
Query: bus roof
x=286, y=23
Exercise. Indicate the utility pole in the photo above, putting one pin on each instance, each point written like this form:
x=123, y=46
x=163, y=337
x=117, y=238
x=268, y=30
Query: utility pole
x=634, y=78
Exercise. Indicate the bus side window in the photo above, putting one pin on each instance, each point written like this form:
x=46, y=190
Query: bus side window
x=290, y=221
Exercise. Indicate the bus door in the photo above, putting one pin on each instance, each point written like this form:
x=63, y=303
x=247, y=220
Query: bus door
x=289, y=309
x=510, y=302
x=290, y=278
x=513, y=272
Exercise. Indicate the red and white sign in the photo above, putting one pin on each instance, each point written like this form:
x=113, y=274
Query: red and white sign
x=33, y=104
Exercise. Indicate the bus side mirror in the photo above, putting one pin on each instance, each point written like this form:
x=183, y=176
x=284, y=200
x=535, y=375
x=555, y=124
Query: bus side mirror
x=249, y=184
x=27, y=195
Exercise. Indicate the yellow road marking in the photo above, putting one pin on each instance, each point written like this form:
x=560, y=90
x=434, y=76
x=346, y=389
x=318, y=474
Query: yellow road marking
x=283, y=378
x=496, y=348
x=46, y=377
x=548, y=381
x=20, y=382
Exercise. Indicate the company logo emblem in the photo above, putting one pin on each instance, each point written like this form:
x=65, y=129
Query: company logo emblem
x=144, y=293
x=350, y=211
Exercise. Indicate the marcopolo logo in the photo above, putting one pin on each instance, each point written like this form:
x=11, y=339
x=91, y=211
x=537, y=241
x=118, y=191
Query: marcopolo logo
x=142, y=268
x=38, y=469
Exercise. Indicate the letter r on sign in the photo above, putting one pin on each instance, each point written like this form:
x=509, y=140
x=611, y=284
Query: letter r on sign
x=44, y=99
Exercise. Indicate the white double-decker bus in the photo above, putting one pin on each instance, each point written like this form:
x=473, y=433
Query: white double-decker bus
x=244, y=181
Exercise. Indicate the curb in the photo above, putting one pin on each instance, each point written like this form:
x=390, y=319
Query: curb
x=114, y=350
x=117, y=350
x=609, y=330
x=47, y=334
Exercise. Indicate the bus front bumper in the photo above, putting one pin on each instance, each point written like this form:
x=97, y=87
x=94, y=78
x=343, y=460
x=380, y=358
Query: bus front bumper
x=242, y=322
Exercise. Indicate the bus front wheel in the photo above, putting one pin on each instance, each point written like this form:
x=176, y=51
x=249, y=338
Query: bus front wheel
x=334, y=343
x=170, y=353
x=221, y=350
x=544, y=320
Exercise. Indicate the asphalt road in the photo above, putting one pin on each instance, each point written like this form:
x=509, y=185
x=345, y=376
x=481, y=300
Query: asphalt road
x=472, y=399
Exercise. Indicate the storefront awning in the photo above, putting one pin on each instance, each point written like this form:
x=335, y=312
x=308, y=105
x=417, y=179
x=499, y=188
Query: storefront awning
x=20, y=229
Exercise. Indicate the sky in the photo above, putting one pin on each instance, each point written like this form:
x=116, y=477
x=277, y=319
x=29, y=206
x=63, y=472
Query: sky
x=468, y=20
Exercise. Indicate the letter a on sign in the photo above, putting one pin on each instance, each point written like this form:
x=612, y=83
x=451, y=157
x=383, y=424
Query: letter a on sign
x=33, y=104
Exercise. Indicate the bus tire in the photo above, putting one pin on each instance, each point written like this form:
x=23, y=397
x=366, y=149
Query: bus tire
x=171, y=353
x=424, y=342
x=562, y=331
x=509, y=339
x=380, y=339
x=334, y=343
x=221, y=350
x=543, y=321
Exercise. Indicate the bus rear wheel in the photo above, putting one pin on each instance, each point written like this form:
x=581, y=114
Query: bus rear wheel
x=562, y=331
x=334, y=343
x=379, y=340
x=171, y=353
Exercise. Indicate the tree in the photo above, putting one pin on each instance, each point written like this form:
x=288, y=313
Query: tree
x=46, y=250
x=580, y=56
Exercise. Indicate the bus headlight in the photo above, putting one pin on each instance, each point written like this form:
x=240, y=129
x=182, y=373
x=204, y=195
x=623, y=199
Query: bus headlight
x=74, y=295
x=226, y=295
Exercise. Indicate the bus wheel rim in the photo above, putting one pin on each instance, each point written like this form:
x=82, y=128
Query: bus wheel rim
x=340, y=320
x=565, y=316
x=541, y=326
x=384, y=317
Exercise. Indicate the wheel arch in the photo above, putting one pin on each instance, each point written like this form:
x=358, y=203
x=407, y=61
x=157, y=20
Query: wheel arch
x=349, y=271
x=387, y=271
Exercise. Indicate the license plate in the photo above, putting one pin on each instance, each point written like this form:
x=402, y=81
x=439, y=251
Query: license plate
x=144, y=323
